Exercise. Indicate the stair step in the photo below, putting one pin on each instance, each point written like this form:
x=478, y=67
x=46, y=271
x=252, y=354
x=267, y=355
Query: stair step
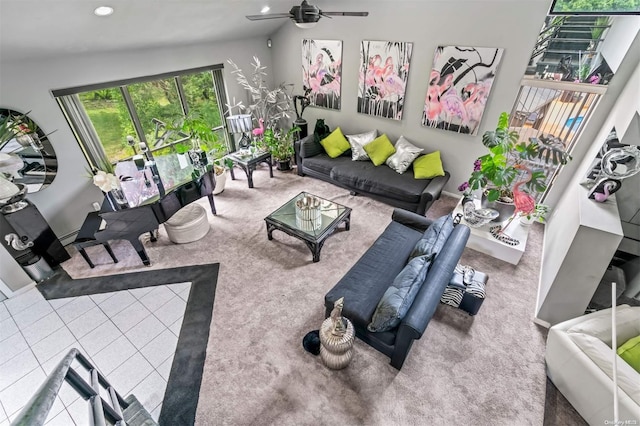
x=573, y=40
x=136, y=415
x=570, y=52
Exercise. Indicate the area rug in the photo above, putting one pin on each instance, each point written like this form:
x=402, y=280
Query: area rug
x=486, y=369
x=183, y=386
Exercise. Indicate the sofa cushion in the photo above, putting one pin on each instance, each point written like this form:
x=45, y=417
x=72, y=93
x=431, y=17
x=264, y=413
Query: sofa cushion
x=627, y=325
x=380, y=149
x=406, y=152
x=364, y=176
x=434, y=237
x=358, y=142
x=365, y=283
x=335, y=144
x=322, y=163
x=428, y=166
x=397, y=299
x=630, y=352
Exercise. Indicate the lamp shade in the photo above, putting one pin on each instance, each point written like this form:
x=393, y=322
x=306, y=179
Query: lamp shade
x=7, y=189
x=240, y=123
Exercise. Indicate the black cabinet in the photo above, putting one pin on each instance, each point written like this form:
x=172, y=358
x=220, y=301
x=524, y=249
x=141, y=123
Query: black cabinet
x=29, y=223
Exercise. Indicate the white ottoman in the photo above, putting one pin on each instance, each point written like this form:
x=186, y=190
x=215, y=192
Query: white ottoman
x=187, y=224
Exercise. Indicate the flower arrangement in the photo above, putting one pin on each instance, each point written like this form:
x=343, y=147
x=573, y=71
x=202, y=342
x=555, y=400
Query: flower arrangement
x=496, y=171
x=105, y=181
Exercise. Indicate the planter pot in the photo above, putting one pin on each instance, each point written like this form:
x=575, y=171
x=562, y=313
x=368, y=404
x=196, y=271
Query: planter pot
x=505, y=210
x=221, y=181
x=526, y=222
x=283, y=165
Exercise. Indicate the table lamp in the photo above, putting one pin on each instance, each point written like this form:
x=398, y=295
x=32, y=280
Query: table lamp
x=241, y=123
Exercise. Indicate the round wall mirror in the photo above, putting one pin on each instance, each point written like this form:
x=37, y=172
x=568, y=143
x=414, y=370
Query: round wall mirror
x=28, y=156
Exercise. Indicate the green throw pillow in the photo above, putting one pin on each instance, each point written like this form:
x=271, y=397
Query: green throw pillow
x=335, y=144
x=630, y=352
x=380, y=149
x=428, y=166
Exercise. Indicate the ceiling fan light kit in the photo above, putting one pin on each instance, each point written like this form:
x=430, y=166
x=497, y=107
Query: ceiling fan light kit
x=304, y=16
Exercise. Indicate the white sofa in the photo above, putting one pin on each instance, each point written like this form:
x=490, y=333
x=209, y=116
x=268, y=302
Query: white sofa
x=579, y=363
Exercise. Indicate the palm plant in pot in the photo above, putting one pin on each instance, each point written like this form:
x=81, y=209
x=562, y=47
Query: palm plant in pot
x=280, y=145
x=497, y=172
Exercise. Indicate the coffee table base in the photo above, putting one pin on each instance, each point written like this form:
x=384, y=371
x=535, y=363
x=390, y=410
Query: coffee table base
x=314, y=246
x=249, y=168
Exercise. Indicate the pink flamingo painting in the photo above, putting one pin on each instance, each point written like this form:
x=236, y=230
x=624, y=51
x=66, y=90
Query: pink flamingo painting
x=258, y=131
x=525, y=203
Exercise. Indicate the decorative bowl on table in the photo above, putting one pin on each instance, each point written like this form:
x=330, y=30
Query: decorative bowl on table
x=481, y=217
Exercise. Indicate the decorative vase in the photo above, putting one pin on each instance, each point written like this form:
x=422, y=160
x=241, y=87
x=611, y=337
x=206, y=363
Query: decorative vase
x=308, y=213
x=221, y=180
x=336, y=351
x=505, y=210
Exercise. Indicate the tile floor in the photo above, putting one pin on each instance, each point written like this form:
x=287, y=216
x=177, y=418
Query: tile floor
x=129, y=335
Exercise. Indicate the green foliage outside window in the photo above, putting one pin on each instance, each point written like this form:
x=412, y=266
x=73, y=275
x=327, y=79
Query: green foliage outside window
x=618, y=6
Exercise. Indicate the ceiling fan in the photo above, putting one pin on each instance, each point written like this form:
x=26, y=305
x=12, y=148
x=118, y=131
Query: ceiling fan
x=305, y=16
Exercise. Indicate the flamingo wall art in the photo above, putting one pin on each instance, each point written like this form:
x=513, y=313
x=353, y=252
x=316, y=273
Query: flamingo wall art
x=459, y=86
x=384, y=69
x=322, y=72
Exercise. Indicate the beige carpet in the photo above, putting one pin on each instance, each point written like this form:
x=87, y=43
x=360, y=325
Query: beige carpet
x=486, y=370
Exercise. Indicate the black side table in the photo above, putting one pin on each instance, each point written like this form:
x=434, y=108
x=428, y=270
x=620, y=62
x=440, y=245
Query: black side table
x=249, y=162
x=86, y=237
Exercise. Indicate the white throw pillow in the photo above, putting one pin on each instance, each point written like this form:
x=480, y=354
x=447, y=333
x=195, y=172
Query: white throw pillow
x=358, y=142
x=406, y=152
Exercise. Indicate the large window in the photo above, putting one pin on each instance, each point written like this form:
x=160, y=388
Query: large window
x=595, y=7
x=104, y=115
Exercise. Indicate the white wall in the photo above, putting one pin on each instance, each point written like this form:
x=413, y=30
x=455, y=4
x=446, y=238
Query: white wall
x=618, y=38
x=513, y=26
x=26, y=86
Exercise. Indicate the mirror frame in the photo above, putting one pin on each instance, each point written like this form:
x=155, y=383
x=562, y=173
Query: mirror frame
x=47, y=158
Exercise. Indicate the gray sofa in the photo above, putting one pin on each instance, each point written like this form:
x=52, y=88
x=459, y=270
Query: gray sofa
x=365, y=283
x=363, y=177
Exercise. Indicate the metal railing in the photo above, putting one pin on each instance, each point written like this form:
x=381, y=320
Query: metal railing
x=553, y=109
x=101, y=412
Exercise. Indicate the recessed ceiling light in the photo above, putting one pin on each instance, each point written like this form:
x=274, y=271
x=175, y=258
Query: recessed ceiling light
x=103, y=11
x=265, y=9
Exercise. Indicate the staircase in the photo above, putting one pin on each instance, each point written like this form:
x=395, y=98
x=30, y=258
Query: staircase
x=572, y=40
x=116, y=411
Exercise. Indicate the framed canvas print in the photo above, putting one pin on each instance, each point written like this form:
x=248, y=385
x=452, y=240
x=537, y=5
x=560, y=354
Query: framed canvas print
x=382, y=84
x=322, y=72
x=459, y=86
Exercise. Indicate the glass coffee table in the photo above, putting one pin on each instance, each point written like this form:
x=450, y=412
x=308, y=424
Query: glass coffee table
x=309, y=218
x=248, y=161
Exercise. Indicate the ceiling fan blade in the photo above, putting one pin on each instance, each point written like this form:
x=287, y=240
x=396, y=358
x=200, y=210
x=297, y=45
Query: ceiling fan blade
x=344, y=13
x=269, y=16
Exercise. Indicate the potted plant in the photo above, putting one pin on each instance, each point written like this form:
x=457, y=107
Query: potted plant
x=280, y=145
x=495, y=172
x=539, y=214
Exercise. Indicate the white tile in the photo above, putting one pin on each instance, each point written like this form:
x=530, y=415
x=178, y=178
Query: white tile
x=4, y=312
x=184, y=294
x=164, y=369
x=23, y=301
x=171, y=311
x=160, y=348
x=16, y=368
x=101, y=297
x=145, y=331
x=87, y=322
x=130, y=373
x=99, y=338
x=114, y=355
x=157, y=297
x=8, y=328
x=130, y=316
x=56, y=408
x=79, y=412
x=74, y=309
x=16, y=396
x=61, y=419
x=150, y=392
x=176, y=326
x=116, y=303
x=33, y=313
x=68, y=394
x=58, y=303
x=42, y=328
x=179, y=288
x=140, y=292
x=11, y=347
x=155, y=414
x=3, y=415
x=49, y=365
x=53, y=344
